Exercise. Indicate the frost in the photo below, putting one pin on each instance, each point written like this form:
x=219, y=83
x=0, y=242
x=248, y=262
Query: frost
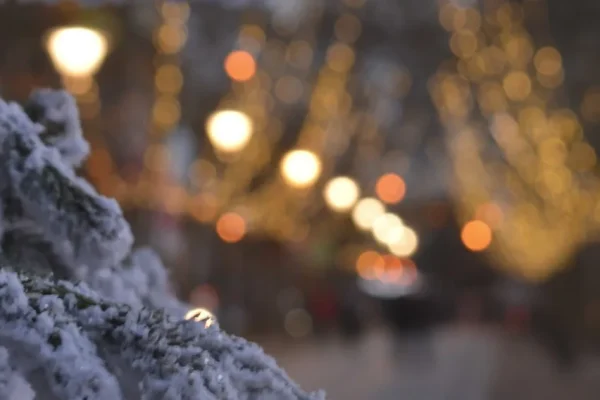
x=82, y=315
x=57, y=112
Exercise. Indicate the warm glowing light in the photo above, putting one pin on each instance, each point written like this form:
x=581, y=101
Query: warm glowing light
x=406, y=245
x=341, y=193
x=77, y=50
x=231, y=227
x=517, y=85
x=240, y=65
x=366, y=211
x=490, y=213
x=301, y=168
x=476, y=235
x=548, y=61
x=201, y=315
x=228, y=130
x=203, y=207
x=390, y=188
x=370, y=264
x=385, y=227
x=393, y=268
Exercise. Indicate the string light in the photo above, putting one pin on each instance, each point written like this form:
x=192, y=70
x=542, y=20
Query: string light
x=537, y=141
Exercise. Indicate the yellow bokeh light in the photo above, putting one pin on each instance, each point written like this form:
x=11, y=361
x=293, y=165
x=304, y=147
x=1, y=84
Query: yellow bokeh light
x=548, y=61
x=340, y=57
x=77, y=50
x=201, y=315
x=228, y=130
x=366, y=211
x=406, y=245
x=517, y=85
x=169, y=79
x=385, y=227
x=341, y=193
x=171, y=38
x=301, y=168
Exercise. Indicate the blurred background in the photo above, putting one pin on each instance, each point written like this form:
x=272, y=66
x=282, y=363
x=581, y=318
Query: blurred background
x=398, y=199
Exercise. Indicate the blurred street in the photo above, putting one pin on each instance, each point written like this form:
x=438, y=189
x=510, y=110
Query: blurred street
x=452, y=364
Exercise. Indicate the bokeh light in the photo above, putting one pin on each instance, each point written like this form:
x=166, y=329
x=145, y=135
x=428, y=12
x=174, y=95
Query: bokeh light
x=300, y=168
x=490, y=213
x=390, y=188
x=201, y=315
x=370, y=264
x=386, y=226
x=476, y=235
x=341, y=193
x=229, y=130
x=407, y=245
x=231, y=227
x=77, y=50
x=298, y=323
x=240, y=65
x=366, y=211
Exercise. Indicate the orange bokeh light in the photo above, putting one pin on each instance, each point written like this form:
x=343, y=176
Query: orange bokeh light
x=370, y=265
x=231, y=227
x=491, y=213
x=240, y=65
x=393, y=268
x=390, y=188
x=476, y=235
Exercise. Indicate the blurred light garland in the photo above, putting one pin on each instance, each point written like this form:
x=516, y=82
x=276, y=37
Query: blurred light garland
x=514, y=148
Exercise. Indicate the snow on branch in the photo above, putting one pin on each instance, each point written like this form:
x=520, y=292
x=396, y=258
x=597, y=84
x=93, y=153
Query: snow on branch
x=72, y=368
x=120, y=334
x=57, y=112
x=13, y=385
x=44, y=190
x=178, y=359
x=140, y=280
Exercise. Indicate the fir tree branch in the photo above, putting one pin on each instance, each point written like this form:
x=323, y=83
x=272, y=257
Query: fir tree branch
x=179, y=359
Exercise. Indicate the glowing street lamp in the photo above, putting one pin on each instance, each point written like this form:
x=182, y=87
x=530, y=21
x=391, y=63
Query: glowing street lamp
x=77, y=51
x=301, y=168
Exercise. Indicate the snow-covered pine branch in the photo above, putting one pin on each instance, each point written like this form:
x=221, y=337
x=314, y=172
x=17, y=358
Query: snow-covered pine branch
x=119, y=335
x=176, y=358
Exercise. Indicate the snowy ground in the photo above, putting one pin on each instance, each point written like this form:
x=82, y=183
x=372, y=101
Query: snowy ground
x=451, y=364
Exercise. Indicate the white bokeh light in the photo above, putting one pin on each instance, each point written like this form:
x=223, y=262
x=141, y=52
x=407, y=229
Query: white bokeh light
x=341, y=193
x=229, y=130
x=77, y=51
x=301, y=168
